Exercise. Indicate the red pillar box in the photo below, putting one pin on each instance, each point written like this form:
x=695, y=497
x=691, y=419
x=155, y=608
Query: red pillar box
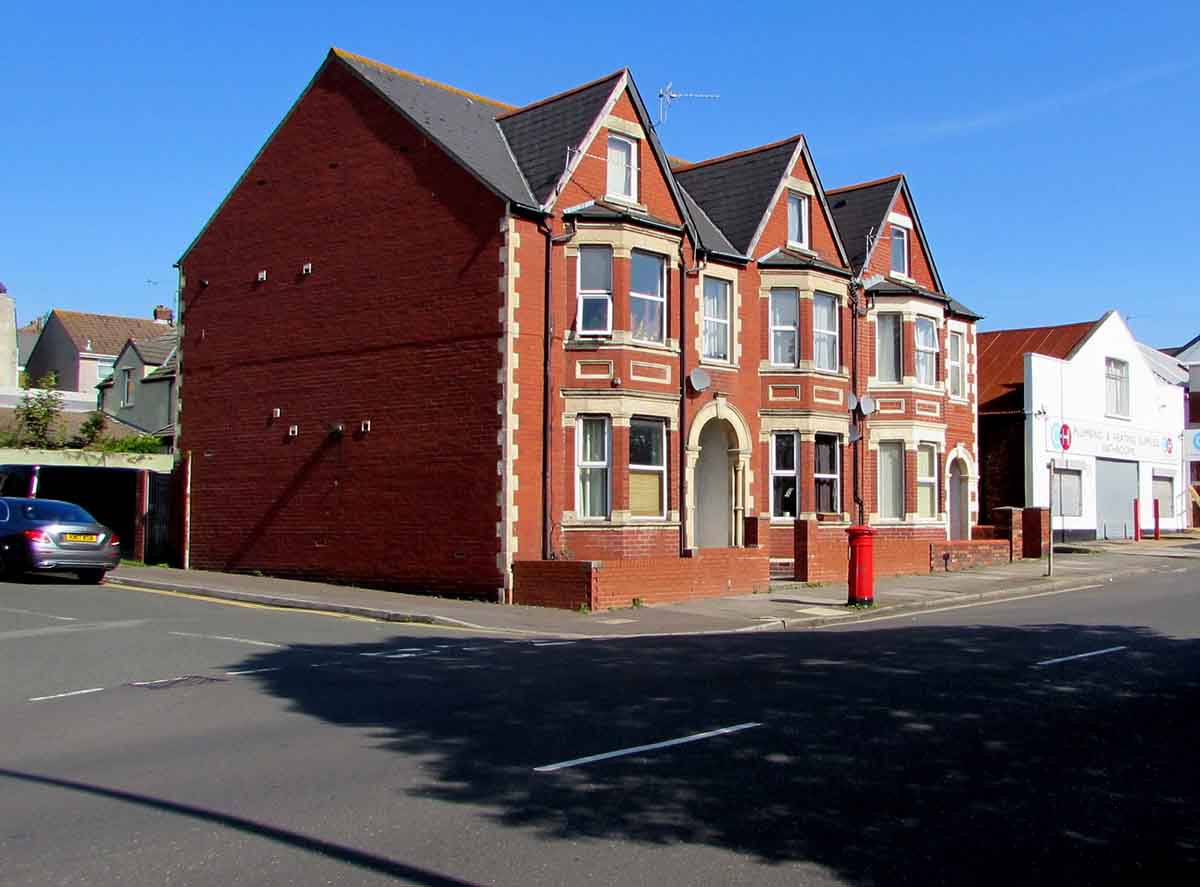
x=861, y=574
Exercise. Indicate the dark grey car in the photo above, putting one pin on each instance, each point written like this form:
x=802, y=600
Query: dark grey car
x=49, y=536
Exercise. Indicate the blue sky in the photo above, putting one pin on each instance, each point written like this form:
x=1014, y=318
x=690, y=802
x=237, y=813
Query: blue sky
x=1051, y=151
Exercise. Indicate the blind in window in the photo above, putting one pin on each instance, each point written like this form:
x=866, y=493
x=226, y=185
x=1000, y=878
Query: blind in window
x=891, y=481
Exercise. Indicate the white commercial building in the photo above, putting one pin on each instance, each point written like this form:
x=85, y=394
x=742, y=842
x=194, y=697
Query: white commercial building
x=1111, y=422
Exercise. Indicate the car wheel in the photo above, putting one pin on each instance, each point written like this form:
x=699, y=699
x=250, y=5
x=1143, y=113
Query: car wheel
x=91, y=577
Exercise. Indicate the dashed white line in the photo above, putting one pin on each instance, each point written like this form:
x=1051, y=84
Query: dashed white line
x=1080, y=655
x=64, y=695
x=36, y=613
x=695, y=737
x=221, y=637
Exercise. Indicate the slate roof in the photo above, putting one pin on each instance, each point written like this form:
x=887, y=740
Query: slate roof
x=154, y=351
x=1001, y=360
x=166, y=371
x=541, y=133
x=104, y=333
x=858, y=210
x=786, y=258
x=736, y=190
x=463, y=124
x=601, y=211
x=709, y=235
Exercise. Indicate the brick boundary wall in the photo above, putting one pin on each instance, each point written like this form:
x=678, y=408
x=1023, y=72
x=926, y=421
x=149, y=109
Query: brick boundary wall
x=1036, y=532
x=602, y=585
x=951, y=557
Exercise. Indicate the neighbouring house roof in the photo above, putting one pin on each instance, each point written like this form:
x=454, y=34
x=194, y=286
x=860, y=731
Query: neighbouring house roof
x=166, y=371
x=858, y=211
x=154, y=351
x=735, y=190
x=27, y=337
x=1001, y=360
x=1164, y=365
x=104, y=333
x=1187, y=353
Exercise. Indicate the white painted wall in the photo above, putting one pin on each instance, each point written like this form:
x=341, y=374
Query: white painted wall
x=1073, y=392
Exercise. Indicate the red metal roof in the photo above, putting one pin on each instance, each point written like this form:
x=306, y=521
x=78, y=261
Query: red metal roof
x=1001, y=356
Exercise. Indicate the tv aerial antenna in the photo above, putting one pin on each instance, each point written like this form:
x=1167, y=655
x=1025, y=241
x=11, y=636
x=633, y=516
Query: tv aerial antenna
x=668, y=95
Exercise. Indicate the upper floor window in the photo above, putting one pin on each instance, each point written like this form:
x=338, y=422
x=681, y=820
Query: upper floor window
x=785, y=494
x=887, y=348
x=1116, y=378
x=956, y=367
x=798, y=220
x=785, y=326
x=926, y=332
x=927, y=480
x=127, y=387
x=104, y=370
x=592, y=467
x=899, y=251
x=826, y=474
x=716, y=319
x=622, y=167
x=647, y=467
x=595, y=291
x=648, y=297
x=825, y=332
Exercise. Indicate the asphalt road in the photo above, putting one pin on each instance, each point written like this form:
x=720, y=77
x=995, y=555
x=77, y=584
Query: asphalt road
x=221, y=744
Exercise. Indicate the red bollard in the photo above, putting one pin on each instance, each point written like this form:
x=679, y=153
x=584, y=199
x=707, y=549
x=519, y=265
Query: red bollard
x=1157, y=535
x=1137, y=521
x=861, y=572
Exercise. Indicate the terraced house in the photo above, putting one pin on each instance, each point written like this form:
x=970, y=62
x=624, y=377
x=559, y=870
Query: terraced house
x=516, y=353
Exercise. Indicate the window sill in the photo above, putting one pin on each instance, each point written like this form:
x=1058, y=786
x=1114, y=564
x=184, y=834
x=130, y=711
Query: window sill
x=903, y=278
x=722, y=365
x=801, y=248
x=627, y=201
x=1118, y=417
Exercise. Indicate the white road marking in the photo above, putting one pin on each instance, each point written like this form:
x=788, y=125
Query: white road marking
x=915, y=613
x=251, y=671
x=1080, y=655
x=64, y=695
x=69, y=629
x=36, y=613
x=695, y=737
x=552, y=643
x=221, y=637
x=1179, y=570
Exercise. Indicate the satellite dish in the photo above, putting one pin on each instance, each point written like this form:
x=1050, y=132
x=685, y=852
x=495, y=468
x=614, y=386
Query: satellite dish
x=855, y=435
x=852, y=401
x=699, y=379
x=868, y=404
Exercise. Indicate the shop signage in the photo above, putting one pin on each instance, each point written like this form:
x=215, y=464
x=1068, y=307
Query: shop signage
x=1191, y=444
x=1111, y=441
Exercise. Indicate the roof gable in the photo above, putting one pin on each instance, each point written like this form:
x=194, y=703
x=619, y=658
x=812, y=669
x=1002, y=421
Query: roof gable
x=1001, y=360
x=154, y=351
x=736, y=190
x=772, y=233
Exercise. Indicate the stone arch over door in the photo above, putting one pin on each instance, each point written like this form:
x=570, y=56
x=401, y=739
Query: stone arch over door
x=960, y=480
x=730, y=430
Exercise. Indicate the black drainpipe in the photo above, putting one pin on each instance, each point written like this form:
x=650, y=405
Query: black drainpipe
x=547, y=337
x=683, y=549
x=855, y=292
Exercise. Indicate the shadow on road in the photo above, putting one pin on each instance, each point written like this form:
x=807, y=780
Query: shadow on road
x=913, y=756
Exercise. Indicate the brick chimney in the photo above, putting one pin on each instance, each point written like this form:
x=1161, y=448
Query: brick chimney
x=164, y=315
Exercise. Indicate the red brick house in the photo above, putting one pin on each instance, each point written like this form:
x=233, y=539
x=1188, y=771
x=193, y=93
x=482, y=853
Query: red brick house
x=514, y=353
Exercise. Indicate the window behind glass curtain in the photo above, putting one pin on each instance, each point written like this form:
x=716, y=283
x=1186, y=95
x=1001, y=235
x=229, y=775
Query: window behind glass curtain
x=647, y=468
x=647, y=297
x=825, y=474
x=887, y=347
x=891, y=481
x=716, y=318
x=825, y=332
x=785, y=326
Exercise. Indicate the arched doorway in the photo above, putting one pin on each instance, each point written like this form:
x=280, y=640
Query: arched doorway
x=957, y=503
x=714, y=486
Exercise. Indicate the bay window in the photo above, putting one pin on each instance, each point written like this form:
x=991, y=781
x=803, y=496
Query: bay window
x=888, y=367
x=785, y=326
x=891, y=480
x=926, y=333
x=595, y=291
x=647, y=468
x=826, y=475
x=648, y=297
x=592, y=463
x=785, y=494
x=927, y=480
x=825, y=332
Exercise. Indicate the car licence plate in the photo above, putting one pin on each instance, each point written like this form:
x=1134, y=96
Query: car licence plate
x=80, y=537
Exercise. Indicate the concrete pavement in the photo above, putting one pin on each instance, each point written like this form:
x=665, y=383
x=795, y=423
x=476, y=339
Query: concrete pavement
x=787, y=606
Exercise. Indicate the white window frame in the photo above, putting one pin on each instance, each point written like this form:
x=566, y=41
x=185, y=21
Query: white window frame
x=1109, y=408
x=127, y=386
x=919, y=350
x=660, y=297
x=835, y=333
x=836, y=476
x=105, y=368
x=706, y=319
x=581, y=465
x=899, y=342
x=793, y=329
x=660, y=470
x=793, y=473
x=582, y=294
x=899, y=444
x=902, y=234
x=798, y=209
x=632, y=169
x=956, y=369
x=927, y=480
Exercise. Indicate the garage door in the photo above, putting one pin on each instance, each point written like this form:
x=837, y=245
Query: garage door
x=1116, y=488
